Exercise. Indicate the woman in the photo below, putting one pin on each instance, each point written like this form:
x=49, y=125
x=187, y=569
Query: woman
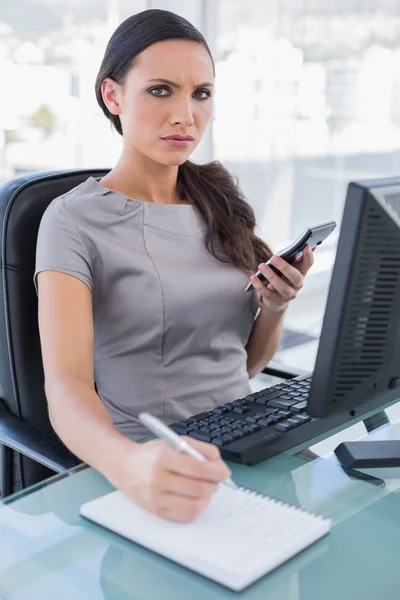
x=141, y=277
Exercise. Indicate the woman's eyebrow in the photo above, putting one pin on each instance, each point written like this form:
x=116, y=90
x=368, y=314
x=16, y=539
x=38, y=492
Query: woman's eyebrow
x=168, y=82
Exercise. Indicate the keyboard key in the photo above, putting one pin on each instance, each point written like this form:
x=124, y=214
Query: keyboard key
x=277, y=418
x=179, y=428
x=285, y=413
x=302, y=397
x=225, y=429
x=251, y=419
x=273, y=394
x=299, y=407
x=241, y=409
x=218, y=441
x=220, y=410
x=250, y=427
x=282, y=403
x=200, y=435
x=252, y=397
x=262, y=400
x=236, y=426
x=214, y=419
x=246, y=431
x=273, y=419
x=293, y=421
x=264, y=422
x=303, y=417
x=286, y=425
x=198, y=417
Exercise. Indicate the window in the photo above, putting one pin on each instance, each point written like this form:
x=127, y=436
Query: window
x=49, y=56
x=307, y=98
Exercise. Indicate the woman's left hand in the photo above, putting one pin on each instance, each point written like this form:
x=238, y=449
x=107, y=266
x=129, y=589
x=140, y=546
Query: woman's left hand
x=277, y=294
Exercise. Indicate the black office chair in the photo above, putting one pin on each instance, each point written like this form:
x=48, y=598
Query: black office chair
x=29, y=448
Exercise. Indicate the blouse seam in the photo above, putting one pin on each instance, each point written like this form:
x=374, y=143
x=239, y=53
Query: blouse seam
x=80, y=237
x=163, y=317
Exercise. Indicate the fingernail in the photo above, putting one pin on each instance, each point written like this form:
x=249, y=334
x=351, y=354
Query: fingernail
x=275, y=260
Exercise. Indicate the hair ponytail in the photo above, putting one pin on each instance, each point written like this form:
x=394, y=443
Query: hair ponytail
x=229, y=217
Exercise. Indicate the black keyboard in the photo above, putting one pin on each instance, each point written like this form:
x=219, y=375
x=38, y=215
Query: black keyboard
x=258, y=426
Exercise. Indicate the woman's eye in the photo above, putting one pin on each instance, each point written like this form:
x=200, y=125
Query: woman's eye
x=162, y=92
x=158, y=89
x=206, y=92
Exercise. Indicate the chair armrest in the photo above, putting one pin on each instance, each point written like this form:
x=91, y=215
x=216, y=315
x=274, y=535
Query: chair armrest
x=41, y=447
x=277, y=370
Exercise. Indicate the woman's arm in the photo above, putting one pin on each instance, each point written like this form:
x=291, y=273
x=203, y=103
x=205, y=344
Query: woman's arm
x=264, y=340
x=156, y=477
x=66, y=330
x=275, y=297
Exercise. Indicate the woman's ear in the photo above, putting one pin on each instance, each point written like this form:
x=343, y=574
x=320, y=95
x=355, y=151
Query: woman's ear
x=111, y=93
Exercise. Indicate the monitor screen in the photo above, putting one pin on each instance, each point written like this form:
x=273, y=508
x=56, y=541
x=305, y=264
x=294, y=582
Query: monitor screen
x=358, y=360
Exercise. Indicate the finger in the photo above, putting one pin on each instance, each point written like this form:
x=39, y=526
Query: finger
x=285, y=290
x=188, y=487
x=179, y=509
x=262, y=288
x=182, y=464
x=210, y=451
x=306, y=262
x=292, y=274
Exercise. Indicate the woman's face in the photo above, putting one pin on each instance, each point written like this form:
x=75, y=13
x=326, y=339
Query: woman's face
x=151, y=109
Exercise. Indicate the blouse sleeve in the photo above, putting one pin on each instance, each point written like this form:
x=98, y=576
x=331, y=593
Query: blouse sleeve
x=60, y=246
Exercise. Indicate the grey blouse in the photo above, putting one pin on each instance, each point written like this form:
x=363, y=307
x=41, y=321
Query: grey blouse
x=170, y=321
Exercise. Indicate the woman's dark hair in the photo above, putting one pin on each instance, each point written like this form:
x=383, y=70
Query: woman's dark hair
x=210, y=188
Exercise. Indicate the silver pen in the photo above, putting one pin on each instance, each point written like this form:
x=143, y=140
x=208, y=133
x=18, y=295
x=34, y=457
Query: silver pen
x=173, y=439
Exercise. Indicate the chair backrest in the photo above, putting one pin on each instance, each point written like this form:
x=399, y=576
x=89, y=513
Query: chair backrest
x=22, y=203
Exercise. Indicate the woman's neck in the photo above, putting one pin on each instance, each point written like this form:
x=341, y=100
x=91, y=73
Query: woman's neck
x=140, y=178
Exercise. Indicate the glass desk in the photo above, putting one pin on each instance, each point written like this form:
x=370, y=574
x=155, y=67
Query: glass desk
x=47, y=552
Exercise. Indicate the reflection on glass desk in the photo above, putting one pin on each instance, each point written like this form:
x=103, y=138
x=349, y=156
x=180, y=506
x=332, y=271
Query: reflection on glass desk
x=48, y=552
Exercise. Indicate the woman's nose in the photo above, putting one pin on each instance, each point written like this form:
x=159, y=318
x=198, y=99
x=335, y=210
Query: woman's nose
x=182, y=114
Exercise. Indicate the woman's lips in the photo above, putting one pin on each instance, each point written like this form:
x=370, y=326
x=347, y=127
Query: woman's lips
x=177, y=142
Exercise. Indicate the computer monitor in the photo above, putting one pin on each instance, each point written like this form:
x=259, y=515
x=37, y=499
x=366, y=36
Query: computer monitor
x=357, y=368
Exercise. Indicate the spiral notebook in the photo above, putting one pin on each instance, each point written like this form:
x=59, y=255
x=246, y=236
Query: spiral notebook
x=239, y=537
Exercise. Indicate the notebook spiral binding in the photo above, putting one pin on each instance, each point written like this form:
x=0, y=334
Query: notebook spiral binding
x=280, y=502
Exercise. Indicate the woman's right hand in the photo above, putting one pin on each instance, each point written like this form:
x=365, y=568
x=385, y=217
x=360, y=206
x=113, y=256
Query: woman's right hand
x=167, y=483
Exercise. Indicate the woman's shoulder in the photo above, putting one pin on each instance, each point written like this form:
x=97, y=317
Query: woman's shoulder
x=83, y=204
x=76, y=198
